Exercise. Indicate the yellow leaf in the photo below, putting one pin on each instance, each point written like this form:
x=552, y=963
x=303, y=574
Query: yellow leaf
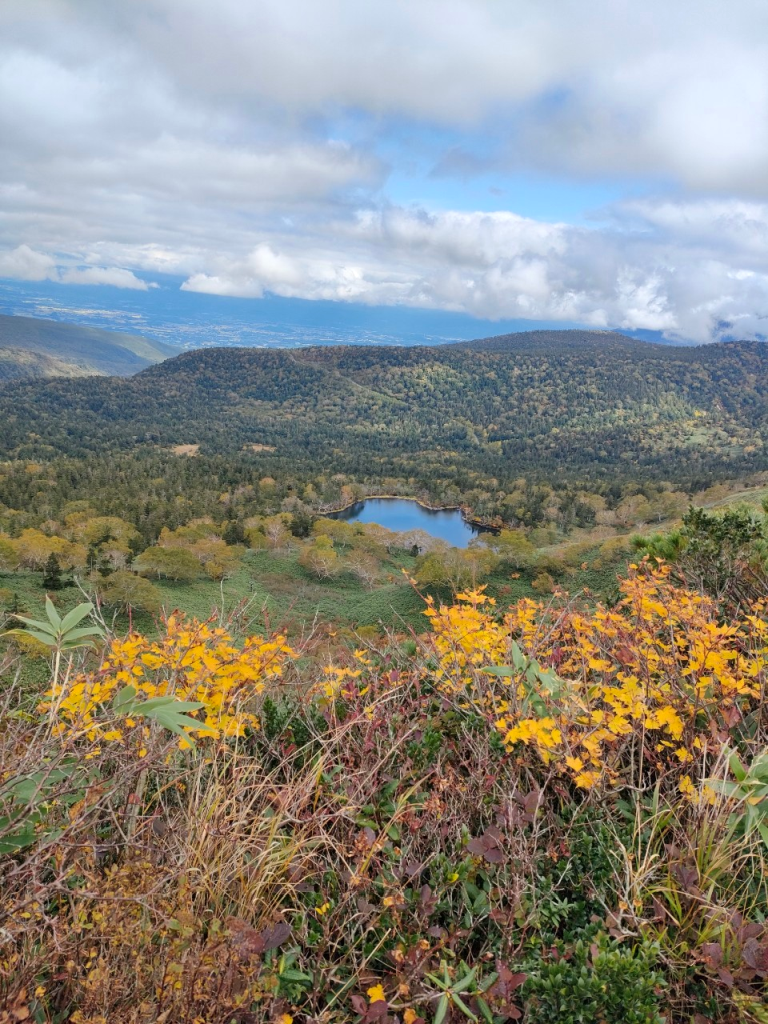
x=376, y=994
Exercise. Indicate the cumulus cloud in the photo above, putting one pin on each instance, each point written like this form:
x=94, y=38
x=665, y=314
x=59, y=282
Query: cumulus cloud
x=117, y=277
x=499, y=265
x=679, y=90
x=248, y=148
x=24, y=264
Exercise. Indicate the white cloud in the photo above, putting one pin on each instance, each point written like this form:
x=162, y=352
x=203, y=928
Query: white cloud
x=246, y=147
x=610, y=86
x=501, y=266
x=114, y=276
x=24, y=264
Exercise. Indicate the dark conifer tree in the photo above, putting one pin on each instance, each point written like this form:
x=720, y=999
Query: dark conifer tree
x=52, y=578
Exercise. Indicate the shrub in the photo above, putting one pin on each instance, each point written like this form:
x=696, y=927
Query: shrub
x=595, y=985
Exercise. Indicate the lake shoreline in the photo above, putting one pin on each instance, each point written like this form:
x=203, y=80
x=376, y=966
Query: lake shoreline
x=469, y=520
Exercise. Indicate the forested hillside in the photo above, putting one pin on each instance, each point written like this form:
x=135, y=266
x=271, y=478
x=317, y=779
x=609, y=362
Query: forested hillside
x=35, y=347
x=23, y=364
x=586, y=411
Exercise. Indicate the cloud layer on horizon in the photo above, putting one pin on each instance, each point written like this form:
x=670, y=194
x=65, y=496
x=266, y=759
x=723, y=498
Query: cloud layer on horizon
x=243, y=148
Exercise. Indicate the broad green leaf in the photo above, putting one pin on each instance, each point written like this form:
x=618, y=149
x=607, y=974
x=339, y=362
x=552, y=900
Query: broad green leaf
x=161, y=702
x=72, y=618
x=123, y=699
x=737, y=767
x=44, y=627
x=53, y=616
x=172, y=718
x=17, y=840
x=44, y=638
x=77, y=634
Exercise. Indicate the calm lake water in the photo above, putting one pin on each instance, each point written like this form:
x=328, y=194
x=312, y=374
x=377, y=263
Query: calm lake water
x=401, y=515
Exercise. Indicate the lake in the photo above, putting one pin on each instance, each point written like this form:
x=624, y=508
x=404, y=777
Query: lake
x=403, y=514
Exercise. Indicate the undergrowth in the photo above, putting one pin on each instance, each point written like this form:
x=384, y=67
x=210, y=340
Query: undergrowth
x=401, y=834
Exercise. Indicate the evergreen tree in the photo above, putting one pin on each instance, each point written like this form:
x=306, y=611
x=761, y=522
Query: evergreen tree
x=233, y=532
x=301, y=523
x=52, y=578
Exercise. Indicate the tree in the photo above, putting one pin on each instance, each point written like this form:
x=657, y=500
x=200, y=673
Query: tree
x=123, y=590
x=35, y=547
x=451, y=567
x=276, y=533
x=8, y=557
x=172, y=563
x=233, y=532
x=364, y=566
x=301, y=523
x=52, y=579
x=543, y=584
x=512, y=546
x=319, y=558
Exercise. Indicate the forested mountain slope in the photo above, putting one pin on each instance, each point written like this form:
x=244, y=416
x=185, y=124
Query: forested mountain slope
x=23, y=364
x=611, y=406
x=76, y=350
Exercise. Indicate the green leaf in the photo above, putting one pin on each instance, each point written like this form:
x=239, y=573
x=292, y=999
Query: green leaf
x=72, y=618
x=77, y=634
x=162, y=702
x=464, y=1008
x=500, y=670
x=737, y=767
x=485, y=1009
x=45, y=638
x=45, y=627
x=171, y=716
x=123, y=699
x=53, y=616
x=442, y=1010
x=466, y=981
x=519, y=660
x=18, y=840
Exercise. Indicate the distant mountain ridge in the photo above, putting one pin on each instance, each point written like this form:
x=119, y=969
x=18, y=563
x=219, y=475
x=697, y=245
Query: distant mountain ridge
x=31, y=347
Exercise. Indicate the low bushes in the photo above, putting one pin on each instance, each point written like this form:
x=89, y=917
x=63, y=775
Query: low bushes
x=397, y=835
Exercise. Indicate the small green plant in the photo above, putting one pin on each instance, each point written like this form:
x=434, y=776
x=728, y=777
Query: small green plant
x=167, y=711
x=26, y=802
x=597, y=984
x=749, y=791
x=534, y=680
x=60, y=634
x=467, y=985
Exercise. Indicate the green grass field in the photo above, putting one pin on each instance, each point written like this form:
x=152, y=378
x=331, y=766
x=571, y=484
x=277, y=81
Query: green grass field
x=272, y=591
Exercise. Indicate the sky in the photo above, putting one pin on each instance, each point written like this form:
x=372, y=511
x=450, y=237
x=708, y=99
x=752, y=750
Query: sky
x=508, y=161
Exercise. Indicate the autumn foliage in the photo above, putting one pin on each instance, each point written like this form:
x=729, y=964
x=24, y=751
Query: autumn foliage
x=550, y=812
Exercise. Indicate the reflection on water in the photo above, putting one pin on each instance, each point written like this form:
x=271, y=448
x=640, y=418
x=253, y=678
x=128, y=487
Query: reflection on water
x=402, y=515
